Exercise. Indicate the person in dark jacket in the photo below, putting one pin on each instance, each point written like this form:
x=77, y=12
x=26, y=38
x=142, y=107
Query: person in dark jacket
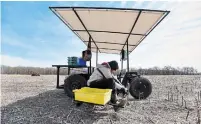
x=103, y=78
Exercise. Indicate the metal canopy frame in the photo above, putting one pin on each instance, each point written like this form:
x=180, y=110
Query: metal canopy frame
x=110, y=32
x=89, y=31
x=54, y=10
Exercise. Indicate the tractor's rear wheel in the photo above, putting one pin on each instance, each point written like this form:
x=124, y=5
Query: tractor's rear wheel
x=73, y=82
x=140, y=88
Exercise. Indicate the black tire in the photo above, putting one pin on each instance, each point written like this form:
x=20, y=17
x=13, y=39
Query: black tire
x=140, y=88
x=73, y=82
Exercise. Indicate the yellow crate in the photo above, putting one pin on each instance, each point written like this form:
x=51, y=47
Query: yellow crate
x=93, y=95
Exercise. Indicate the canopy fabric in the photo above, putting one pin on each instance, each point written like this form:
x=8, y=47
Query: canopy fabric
x=110, y=28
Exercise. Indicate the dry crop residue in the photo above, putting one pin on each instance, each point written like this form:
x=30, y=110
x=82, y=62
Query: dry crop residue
x=27, y=99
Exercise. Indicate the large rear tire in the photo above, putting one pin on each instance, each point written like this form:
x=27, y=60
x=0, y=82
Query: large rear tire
x=73, y=82
x=140, y=88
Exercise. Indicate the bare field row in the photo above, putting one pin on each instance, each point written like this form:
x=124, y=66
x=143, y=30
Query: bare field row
x=27, y=99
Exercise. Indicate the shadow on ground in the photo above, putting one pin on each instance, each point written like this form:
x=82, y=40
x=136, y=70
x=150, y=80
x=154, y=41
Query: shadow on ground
x=51, y=107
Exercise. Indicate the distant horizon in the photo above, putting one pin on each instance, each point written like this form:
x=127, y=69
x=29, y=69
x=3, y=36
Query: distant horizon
x=119, y=69
x=33, y=36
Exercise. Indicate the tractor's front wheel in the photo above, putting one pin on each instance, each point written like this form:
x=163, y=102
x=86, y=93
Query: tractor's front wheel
x=140, y=88
x=73, y=82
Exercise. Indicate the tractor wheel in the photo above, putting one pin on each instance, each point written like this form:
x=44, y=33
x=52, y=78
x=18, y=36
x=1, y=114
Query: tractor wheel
x=140, y=88
x=73, y=82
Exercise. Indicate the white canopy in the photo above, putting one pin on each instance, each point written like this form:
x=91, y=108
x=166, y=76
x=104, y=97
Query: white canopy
x=110, y=28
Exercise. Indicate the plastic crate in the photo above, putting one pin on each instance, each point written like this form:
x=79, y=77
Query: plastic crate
x=93, y=95
x=72, y=58
x=73, y=61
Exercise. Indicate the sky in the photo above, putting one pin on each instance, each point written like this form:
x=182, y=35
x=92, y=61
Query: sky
x=31, y=35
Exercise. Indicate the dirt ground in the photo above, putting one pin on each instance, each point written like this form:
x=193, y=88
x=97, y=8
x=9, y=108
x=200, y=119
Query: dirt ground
x=26, y=99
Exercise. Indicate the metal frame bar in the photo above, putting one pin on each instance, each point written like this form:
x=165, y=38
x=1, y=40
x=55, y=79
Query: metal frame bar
x=110, y=32
x=127, y=58
x=96, y=57
x=108, y=49
x=90, y=49
x=122, y=64
x=83, y=25
x=110, y=43
x=132, y=27
x=107, y=53
x=58, y=70
x=152, y=29
x=101, y=8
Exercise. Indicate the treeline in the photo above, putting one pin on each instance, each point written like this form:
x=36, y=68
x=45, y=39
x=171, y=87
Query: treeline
x=30, y=70
x=167, y=70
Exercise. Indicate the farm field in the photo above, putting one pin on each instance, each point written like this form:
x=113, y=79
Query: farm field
x=26, y=99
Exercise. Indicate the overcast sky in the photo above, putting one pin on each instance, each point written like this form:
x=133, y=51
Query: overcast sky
x=33, y=36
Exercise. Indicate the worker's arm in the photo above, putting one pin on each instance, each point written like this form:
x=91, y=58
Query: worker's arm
x=118, y=84
x=108, y=74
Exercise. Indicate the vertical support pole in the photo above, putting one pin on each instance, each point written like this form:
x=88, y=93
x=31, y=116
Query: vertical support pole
x=89, y=47
x=68, y=70
x=58, y=76
x=96, y=57
x=90, y=66
x=122, y=62
x=88, y=70
x=127, y=58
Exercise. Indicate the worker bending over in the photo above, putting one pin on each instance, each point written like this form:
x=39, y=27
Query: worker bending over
x=103, y=78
